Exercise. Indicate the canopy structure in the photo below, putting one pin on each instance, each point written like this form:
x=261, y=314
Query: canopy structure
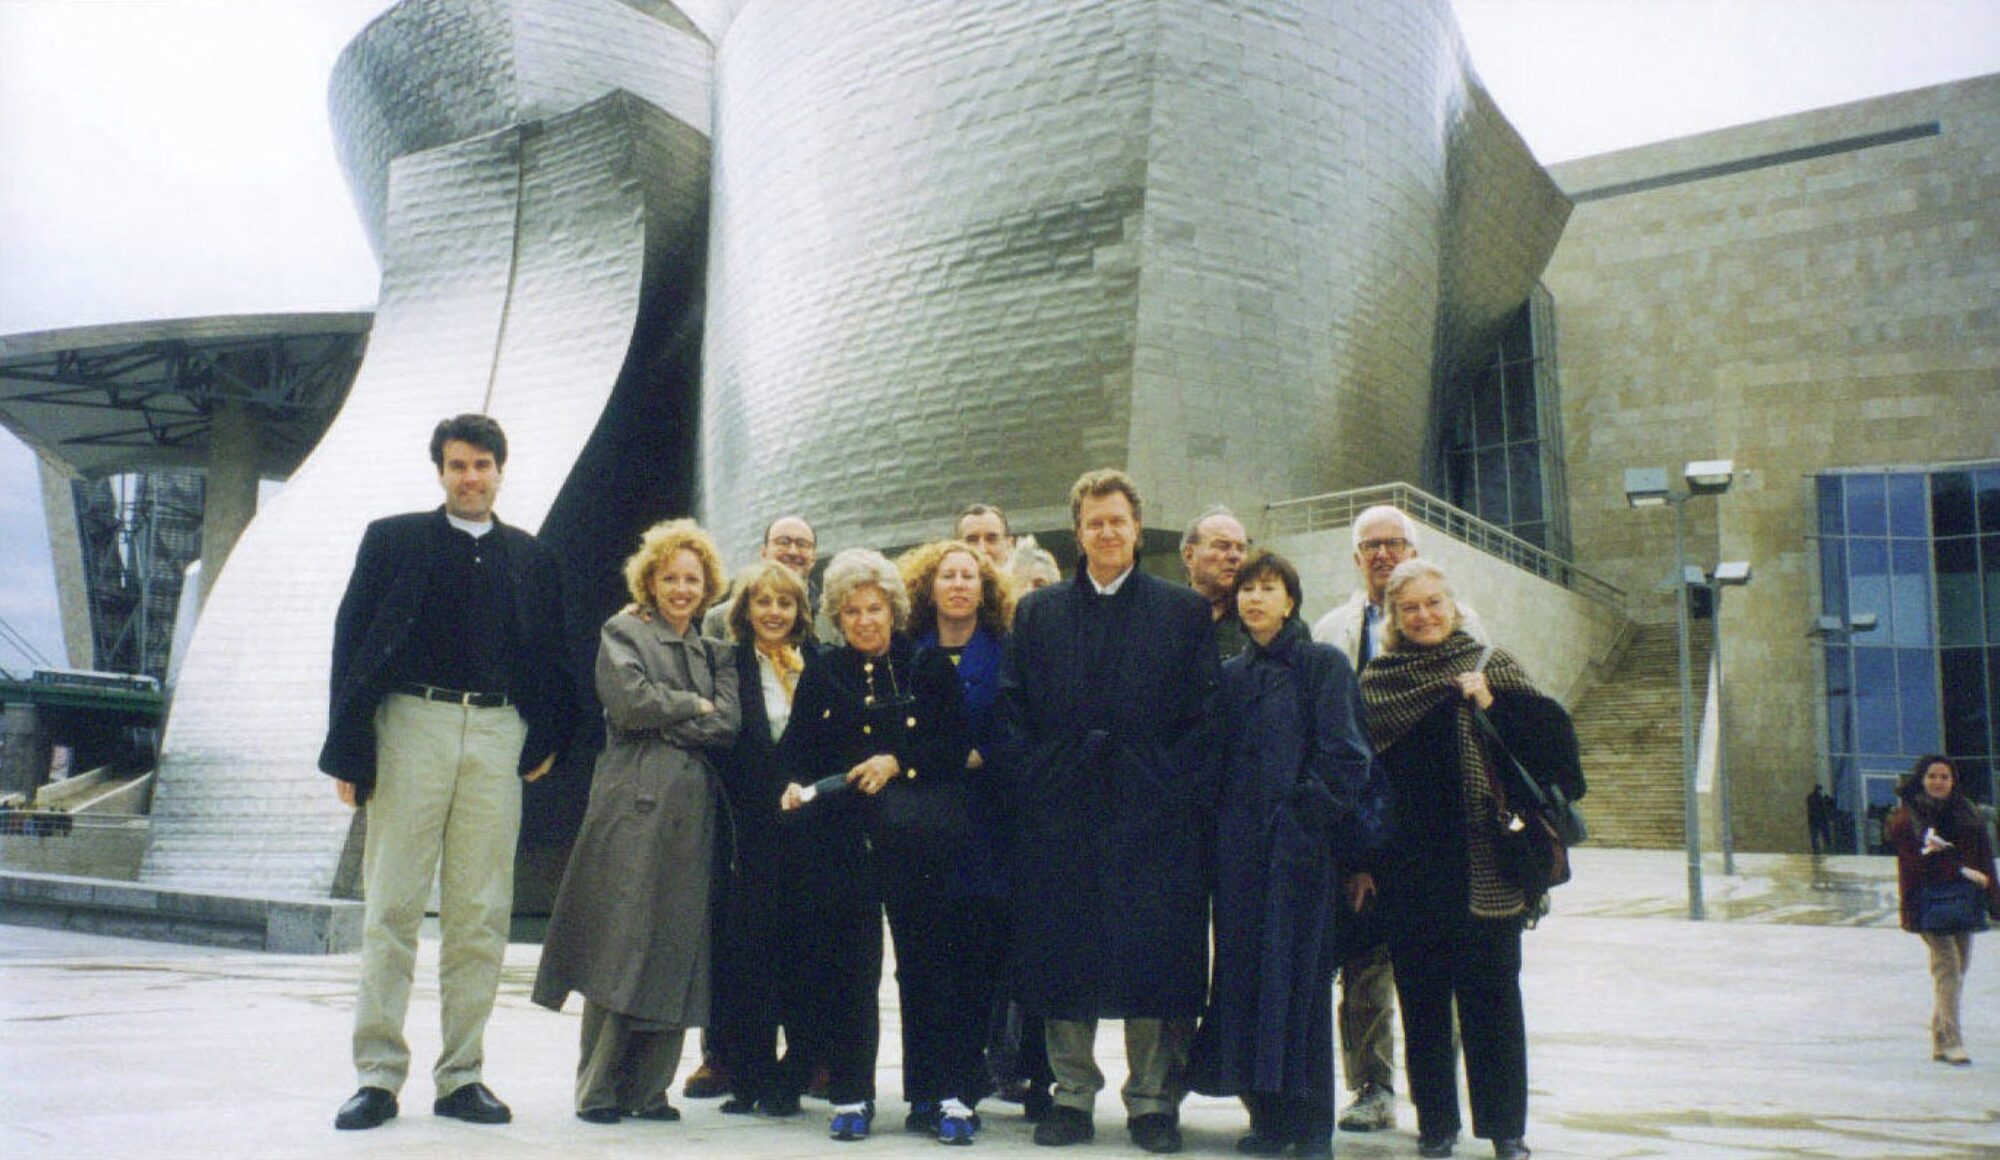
x=140, y=396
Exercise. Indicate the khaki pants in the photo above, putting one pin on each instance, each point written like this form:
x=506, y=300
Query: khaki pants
x=446, y=805
x=1951, y=954
x=624, y=1063
x=1367, y=1007
x=1156, y=1055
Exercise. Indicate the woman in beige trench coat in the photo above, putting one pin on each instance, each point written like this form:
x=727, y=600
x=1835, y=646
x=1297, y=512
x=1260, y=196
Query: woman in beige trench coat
x=630, y=927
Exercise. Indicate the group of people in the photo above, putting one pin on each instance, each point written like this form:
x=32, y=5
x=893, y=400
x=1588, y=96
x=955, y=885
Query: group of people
x=1061, y=793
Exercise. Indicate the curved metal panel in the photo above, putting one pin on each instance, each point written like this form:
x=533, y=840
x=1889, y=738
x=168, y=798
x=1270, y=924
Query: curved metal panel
x=518, y=266
x=965, y=254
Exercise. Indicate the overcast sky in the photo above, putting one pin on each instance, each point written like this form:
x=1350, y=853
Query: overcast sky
x=171, y=158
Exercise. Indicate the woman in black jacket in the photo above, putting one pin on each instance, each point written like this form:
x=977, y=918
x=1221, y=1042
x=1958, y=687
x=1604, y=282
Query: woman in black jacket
x=878, y=715
x=780, y=918
x=1455, y=921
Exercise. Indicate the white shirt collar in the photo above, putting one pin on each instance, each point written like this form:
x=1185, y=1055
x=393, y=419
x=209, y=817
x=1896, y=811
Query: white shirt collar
x=1112, y=588
x=468, y=527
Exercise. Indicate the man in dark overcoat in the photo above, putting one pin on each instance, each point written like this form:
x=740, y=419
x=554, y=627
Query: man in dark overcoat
x=451, y=686
x=1105, y=733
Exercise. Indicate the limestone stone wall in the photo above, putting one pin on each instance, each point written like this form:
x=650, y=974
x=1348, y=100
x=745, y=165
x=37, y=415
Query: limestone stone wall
x=1821, y=290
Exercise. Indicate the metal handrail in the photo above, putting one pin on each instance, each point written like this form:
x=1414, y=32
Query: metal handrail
x=58, y=823
x=1338, y=508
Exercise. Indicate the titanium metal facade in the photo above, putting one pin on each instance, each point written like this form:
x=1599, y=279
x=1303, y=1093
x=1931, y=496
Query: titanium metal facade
x=948, y=251
x=965, y=252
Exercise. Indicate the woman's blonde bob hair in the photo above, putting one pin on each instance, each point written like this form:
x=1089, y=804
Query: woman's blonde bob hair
x=920, y=567
x=773, y=577
x=1407, y=573
x=857, y=568
x=658, y=545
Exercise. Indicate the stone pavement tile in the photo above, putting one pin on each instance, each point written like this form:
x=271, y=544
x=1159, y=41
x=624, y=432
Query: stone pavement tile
x=1649, y=1037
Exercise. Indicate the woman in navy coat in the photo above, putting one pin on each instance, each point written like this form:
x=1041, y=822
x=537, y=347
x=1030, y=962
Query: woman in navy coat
x=1295, y=760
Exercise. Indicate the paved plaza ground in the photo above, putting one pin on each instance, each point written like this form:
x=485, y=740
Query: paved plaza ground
x=1792, y=1024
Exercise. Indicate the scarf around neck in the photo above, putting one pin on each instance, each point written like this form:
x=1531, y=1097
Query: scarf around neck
x=1401, y=687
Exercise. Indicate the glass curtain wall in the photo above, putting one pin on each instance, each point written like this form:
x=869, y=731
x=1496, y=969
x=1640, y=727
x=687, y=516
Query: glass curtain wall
x=1502, y=444
x=1920, y=551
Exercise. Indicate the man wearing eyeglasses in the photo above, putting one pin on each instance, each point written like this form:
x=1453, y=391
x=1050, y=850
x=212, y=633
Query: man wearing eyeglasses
x=1383, y=538
x=791, y=541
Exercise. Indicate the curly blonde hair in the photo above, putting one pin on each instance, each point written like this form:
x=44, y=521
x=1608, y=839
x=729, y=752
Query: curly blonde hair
x=858, y=568
x=659, y=544
x=919, y=567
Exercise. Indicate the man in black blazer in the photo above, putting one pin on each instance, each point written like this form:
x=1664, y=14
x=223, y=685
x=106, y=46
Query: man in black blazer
x=1106, y=734
x=451, y=686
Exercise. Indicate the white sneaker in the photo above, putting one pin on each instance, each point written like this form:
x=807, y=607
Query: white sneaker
x=1373, y=1110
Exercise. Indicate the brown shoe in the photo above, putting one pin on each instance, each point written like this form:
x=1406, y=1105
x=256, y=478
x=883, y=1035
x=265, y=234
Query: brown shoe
x=707, y=1083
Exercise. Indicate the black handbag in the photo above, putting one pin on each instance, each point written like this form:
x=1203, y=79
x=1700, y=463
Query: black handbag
x=918, y=817
x=1527, y=852
x=1957, y=907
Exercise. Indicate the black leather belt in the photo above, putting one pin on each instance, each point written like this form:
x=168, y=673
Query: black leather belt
x=454, y=696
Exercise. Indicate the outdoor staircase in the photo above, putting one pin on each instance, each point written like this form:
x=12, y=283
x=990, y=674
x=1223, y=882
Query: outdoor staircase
x=1629, y=728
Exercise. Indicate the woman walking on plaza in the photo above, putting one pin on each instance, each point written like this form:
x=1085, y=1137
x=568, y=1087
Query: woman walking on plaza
x=1944, y=868
x=630, y=926
x=1295, y=762
x=769, y=930
x=883, y=717
x=1455, y=922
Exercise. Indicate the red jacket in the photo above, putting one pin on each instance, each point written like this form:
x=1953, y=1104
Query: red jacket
x=1970, y=847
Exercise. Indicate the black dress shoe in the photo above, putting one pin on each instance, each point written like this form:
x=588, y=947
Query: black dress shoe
x=661, y=1113
x=1155, y=1132
x=1036, y=1102
x=1512, y=1148
x=474, y=1103
x=780, y=1106
x=1437, y=1146
x=738, y=1106
x=1065, y=1126
x=600, y=1115
x=1259, y=1144
x=366, y=1108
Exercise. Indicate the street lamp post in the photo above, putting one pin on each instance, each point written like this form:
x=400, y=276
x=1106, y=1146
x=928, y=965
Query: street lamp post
x=1728, y=574
x=1647, y=487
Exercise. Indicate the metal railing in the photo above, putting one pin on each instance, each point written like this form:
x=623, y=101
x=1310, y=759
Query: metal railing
x=1337, y=509
x=60, y=824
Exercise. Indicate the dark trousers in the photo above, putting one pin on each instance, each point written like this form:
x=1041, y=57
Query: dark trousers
x=838, y=970
x=1477, y=963
x=947, y=949
x=761, y=937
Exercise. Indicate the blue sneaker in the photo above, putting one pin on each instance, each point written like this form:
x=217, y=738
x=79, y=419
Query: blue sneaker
x=960, y=1130
x=848, y=1126
x=923, y=1117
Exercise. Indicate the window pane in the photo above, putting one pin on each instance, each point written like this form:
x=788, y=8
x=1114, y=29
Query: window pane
x=1486, y=410
x=1524, y=465
x=1907, y=506
x=1989, y=568
x=1868, y=582
x=1875, y=701
x=1839, y=700
x=1951, y=504
x=1521, y=423
x=1831, y=522
x=1833, y=577
x=1917, y=685
x=1958, y=610
x=1963, y=677
x=1867, y=513
x=1976, y=778
x=1910, y=591
x=1536, y=534
x=1993, y=686
x=1493, y=486
x=1986, y=498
